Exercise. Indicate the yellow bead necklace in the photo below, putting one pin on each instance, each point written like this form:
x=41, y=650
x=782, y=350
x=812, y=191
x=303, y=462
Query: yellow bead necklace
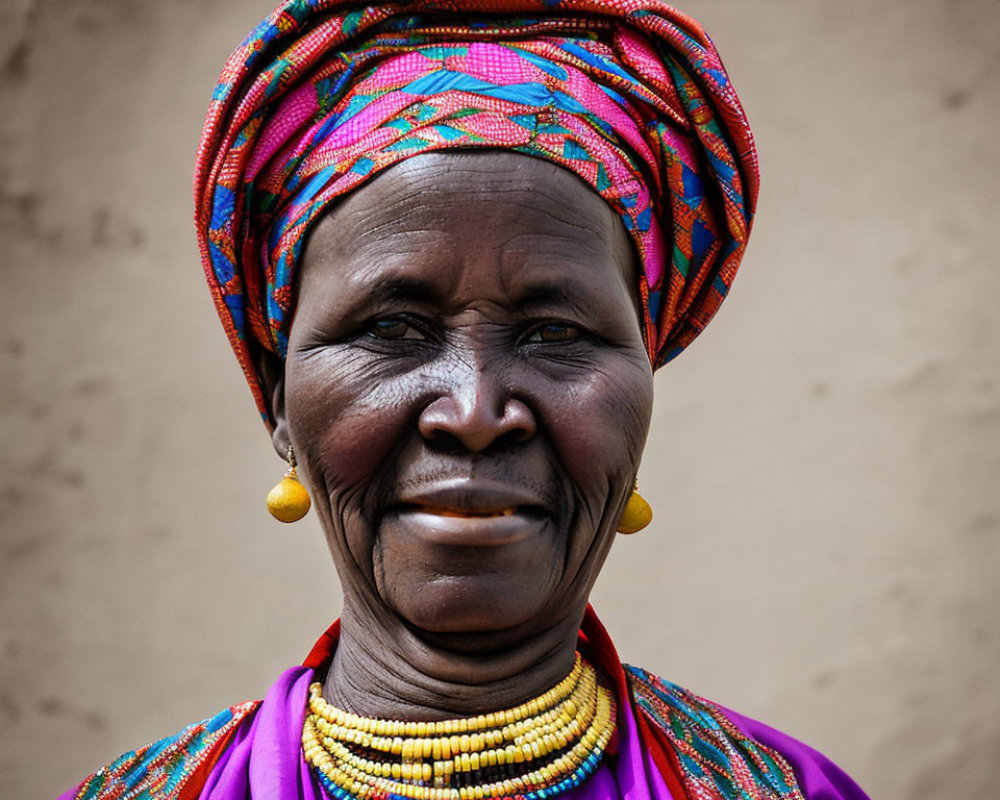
x=534, y=751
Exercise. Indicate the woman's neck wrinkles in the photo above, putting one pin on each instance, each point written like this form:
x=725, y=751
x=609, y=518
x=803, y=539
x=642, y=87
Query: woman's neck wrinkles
x=385, y=669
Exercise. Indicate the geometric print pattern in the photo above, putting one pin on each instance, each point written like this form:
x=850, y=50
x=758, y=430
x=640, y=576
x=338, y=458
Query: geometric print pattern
x=716, y=760
x=162, y=770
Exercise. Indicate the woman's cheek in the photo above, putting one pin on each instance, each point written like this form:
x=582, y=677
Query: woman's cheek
x=349, y=426
x=607, y=418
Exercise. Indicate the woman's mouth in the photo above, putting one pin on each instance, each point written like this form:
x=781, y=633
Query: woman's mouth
x=466, y=527
x=467, y=513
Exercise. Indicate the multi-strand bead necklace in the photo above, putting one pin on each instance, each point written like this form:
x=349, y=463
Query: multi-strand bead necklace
x=532, y=752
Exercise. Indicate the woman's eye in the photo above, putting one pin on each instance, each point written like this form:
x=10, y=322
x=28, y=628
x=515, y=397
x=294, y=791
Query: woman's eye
x=555, y=332
x=394, y=328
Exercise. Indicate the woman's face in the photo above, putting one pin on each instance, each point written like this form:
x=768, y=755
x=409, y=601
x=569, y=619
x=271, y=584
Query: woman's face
x=467, y=389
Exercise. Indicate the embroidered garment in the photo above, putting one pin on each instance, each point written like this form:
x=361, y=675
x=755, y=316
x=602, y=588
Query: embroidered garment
x=671, y=745
x=628, y=94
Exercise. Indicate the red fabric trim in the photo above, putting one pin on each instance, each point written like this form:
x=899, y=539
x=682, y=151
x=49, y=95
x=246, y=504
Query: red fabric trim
x=602, y=652
x=596, y=646
x=322, y=652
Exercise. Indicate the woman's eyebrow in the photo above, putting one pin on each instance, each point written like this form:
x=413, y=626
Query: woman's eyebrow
x=395, y=288
x=564, y=292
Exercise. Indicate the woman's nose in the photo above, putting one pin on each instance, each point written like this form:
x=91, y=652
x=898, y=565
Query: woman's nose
x=476, y=414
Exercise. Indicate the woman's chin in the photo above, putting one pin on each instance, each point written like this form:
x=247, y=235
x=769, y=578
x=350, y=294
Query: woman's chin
x=445, y=587
x=471, y=605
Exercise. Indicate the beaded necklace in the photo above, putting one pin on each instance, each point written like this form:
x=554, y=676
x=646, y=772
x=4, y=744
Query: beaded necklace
x=534, y=751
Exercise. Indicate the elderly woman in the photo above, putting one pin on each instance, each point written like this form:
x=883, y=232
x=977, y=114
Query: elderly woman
x=449, y=242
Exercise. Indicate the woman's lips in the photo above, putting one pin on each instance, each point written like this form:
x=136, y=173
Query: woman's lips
x=466, y=497
x=467, y=527
x=464, y=513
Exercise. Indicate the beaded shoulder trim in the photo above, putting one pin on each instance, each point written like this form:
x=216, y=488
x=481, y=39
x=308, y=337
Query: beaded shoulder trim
x=160, y=770
x=717, y=760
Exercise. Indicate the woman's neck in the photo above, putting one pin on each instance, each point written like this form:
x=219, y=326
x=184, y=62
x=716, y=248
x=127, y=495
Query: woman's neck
x=383, y=668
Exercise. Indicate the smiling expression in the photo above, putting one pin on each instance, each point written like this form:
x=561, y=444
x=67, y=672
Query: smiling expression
x=467, y=390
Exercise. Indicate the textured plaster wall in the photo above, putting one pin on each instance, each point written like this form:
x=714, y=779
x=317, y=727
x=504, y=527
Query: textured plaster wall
x=824, y=463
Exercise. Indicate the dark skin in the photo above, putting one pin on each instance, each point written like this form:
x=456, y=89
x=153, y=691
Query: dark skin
x=468, y=395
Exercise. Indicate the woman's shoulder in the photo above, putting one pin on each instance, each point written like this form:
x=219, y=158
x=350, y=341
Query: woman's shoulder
x=720, y=753
x=163, y=768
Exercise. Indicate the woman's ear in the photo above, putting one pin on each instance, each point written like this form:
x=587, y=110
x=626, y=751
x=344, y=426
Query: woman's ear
x=271, y=369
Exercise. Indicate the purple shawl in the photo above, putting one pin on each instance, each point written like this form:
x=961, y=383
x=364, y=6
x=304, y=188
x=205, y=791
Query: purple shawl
x=671, y=745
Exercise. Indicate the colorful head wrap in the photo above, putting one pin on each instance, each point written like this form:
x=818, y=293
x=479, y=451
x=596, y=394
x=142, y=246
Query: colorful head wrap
x=628, y=94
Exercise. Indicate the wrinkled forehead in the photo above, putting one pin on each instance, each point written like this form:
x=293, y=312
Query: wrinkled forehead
x=456, y=223
x=466, y=194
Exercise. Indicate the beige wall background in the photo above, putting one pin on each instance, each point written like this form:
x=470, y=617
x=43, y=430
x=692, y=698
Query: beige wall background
x=824, y=462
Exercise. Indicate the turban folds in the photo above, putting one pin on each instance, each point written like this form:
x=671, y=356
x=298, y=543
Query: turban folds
x=630, y=95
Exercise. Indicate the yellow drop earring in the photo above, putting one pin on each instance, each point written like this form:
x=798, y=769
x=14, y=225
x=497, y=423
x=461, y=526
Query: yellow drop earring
x=637, y=514
x=289, y=500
